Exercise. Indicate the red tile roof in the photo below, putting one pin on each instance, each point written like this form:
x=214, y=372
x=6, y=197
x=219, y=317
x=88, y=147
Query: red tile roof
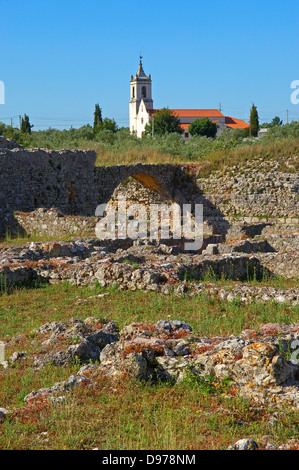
x=197, y=112
x=234, y=123
x=193, y=112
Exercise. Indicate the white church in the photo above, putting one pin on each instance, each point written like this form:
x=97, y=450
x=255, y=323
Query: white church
x=141, y=109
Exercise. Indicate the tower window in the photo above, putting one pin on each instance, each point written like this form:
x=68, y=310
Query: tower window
x=133, y=92
x=143, y=92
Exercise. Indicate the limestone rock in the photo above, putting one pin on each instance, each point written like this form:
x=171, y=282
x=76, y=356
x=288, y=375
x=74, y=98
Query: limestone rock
x=244, y=444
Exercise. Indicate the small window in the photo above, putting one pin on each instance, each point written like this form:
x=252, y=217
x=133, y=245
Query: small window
x=141, y=120
x=186, y=134
x=143, y=92
x=133, y=92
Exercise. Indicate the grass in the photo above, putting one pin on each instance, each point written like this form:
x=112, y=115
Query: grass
x=12, y=238
x=211, y=160
x=128, y=415
x=18, y=239
x=226, y=151
x=26, y=309
x=140, y=417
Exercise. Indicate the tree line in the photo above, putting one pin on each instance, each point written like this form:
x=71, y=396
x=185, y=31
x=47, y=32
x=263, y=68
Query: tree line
x=162, y=133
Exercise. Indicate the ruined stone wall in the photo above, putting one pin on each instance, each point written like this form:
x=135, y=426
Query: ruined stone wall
x=42, y=178
x=49, y=223
x=69, y=181
x=254, y=190
x=66, y=180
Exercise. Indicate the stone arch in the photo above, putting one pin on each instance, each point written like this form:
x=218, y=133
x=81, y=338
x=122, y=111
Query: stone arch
x=134, y=203
x=155, y=177
x=149, y=181
x=141, y=188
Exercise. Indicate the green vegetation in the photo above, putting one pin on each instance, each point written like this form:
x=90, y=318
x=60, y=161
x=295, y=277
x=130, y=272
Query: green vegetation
x=203, y=127
x=25, y=125
x=254, y=122
x=127, y=415
x=276, y=121
x=163, y=122
x=207, y=315
x=193, y=414
x=117, y=146
x=97, y=117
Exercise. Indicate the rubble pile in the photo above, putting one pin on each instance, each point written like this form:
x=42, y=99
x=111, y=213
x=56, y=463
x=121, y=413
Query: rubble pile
x=157, y=266
x=255, y=363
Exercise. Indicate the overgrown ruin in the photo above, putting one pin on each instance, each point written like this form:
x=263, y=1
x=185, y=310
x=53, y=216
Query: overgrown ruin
x=250, y=233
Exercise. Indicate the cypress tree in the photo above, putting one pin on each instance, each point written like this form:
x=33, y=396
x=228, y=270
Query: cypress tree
x=254, y=121
x=97, y=117
x=25, y=125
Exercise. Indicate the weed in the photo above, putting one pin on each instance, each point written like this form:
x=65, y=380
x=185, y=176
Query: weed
x=208, y=384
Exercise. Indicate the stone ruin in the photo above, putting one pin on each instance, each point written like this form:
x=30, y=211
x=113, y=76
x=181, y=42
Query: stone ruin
x=253, y=364
x=250, y=232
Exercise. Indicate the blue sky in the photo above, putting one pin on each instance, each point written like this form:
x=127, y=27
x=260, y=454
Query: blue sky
x=60, y=58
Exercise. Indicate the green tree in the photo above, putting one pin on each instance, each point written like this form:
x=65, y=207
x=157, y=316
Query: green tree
x=254, y=121
x=25, y=125
x=100, y=124
x=203, y=127
x=109, y=124
x=2, y=128
x=163, y=122
x=276, y=121
x=97, y=121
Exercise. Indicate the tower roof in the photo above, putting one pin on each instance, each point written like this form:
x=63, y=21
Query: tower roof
x=140, y=72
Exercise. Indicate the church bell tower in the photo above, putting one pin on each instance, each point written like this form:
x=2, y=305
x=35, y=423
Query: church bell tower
x=140, y=97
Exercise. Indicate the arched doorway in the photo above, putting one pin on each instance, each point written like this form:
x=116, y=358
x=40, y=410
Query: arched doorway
x=134, y=203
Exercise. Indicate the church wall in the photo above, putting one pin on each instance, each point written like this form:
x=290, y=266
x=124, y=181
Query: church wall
x=142, y=119
x=132, y=117
x=187, y=120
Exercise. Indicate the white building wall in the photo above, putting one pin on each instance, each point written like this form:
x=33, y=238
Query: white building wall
x=132, y=117
x=142, y=118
